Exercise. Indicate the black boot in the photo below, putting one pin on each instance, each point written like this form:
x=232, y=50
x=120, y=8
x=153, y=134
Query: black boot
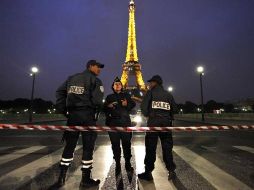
x=118, y=167
x=62, y=177
x=171, y=175
x=128, y=166
x=146, y=176
x=87, y=181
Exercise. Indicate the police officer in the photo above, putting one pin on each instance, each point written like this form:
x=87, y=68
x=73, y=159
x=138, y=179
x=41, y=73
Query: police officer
x=80, y=96
x=158, y=105
x=117, y=107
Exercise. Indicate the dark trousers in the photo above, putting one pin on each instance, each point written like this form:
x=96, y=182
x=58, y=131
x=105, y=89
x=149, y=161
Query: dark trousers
x=151, y=140
x=88, y=140
x=81, y=118
x=116, y=138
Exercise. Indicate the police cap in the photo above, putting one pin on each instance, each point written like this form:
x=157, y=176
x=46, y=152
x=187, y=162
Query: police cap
x=156, y=78
x=94, y=62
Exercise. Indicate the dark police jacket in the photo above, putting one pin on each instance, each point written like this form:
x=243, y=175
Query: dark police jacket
x=82, y=91
x=158, y=105
x=118, y=115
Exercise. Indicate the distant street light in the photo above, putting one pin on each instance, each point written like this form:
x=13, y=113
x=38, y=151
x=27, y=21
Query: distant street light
x=34, y=70
x=170, y=89
x=200, y=70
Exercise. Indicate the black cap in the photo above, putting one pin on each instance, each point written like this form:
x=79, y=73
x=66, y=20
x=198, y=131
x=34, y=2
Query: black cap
x=94, y=62
x=117, y=80
x=156, y=78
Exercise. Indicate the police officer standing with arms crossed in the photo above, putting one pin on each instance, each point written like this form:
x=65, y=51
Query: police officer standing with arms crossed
x=158, y=105
x=80, y=96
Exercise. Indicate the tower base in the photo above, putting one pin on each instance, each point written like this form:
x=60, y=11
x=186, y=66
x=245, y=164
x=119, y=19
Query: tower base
x=136, y=93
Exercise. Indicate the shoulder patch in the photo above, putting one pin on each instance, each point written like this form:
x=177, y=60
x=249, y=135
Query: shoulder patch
x=102, y=88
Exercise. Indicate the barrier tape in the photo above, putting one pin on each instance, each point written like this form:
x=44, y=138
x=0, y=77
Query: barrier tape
x=122, y=129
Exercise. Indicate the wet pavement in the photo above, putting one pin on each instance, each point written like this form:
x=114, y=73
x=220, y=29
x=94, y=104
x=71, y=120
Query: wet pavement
x=205, y=160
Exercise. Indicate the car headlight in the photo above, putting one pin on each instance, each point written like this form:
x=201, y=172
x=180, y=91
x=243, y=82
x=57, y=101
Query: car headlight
x=137, y=119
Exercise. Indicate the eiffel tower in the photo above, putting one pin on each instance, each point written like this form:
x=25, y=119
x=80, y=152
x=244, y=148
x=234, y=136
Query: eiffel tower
x=131, y=67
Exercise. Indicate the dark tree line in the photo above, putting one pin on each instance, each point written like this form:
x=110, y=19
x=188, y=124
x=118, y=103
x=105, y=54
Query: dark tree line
x=42, y=106
x=21, y=104
x=209, y=107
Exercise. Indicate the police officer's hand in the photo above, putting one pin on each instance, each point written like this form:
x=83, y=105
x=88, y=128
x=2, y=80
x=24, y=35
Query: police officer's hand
x=124, y=102
x=111, y=105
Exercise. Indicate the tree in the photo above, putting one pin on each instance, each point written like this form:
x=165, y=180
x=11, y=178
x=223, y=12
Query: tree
x=229, y=108
x=190, y=107
x=212, y=105
x=42, y=106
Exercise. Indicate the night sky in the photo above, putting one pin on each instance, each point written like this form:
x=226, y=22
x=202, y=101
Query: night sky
x=173, y=37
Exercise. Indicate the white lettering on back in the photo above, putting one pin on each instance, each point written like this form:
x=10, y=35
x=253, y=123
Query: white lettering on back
x=160, y=105
x=76, y=90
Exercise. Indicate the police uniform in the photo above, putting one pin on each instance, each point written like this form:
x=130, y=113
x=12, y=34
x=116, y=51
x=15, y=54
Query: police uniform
x=118, y=115
x=80, y=95
x=158, y=105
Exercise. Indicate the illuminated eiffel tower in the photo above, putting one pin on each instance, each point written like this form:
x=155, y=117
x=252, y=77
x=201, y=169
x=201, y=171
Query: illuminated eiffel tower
x=131, y=67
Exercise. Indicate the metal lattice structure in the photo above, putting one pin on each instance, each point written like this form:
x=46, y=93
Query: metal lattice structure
x=131, y=67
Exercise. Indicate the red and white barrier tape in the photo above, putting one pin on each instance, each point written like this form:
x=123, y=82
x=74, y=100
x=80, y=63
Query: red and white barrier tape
x=123, y=129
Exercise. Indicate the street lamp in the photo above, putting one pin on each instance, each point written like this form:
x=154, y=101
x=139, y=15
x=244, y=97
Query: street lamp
x=200, y=70
x=170, y=88
x=34, y=70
